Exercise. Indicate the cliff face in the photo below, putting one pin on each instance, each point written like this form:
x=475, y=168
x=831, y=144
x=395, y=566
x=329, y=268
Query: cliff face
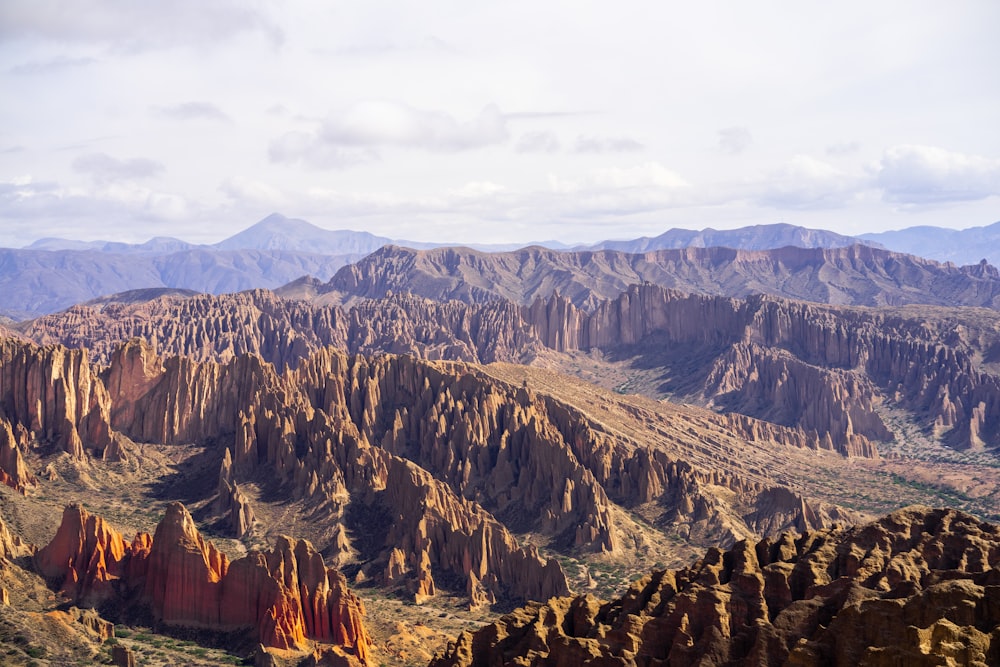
x=912, y=588
x=821, y=368
x=287, y=595
x=54, y=395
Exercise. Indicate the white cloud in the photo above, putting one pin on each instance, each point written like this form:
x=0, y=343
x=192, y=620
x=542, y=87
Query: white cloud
x=100, y=209
x=805, y=183
x=734, y=140
x=585, y=144
x=354, y=136
x=392, y=124
x=105, y=169
x=307, y=149
x=538, y=142
x=911, y=174
x=647, y=175
x=843, y=148
x=133, y=26
x=194, y=111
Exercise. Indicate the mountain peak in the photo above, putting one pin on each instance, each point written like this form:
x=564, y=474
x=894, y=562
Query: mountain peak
x=276, y=232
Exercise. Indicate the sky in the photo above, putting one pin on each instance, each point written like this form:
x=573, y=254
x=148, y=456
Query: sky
x=458, y=121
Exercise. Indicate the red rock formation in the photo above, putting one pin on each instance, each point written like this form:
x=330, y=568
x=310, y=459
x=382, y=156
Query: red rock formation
x=287, y=595
x=912, y=588
x=84, y=557
x=184, y=573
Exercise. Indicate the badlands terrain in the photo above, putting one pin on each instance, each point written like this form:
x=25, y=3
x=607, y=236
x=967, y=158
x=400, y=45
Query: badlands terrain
x=448, y=456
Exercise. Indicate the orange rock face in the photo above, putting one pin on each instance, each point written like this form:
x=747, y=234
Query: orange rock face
x=913, y=588
x=287, y=595
x=84, y=557
x=54, y=394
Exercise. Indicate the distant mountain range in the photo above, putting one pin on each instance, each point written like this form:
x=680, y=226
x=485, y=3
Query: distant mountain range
x=757, y=237
x=52, y=274
x=959, y=246
x=856, y=275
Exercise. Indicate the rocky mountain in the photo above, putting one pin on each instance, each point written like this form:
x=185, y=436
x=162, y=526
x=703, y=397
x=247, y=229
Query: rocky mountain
x=756, y=237
x=854, y=275
x=276, y=232
x=916, y=587
x=959, y=246
x=829, y=370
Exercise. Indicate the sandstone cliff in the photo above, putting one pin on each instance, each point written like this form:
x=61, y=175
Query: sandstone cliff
x=916, y=587
x=287, y=595
x=54, y=394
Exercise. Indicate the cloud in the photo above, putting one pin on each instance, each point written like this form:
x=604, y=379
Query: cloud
x=356, y=135
x=56, y=64
x=133, y=26
x=734, y=140
x=843, y=148
x=537, y=142
x=391, y=124
x=915, y=175
x=105, y=169
x=308, y=149
x=23, y=199
x=194, y=111
x=248, y=191
x=606, y=145
x=805, y=183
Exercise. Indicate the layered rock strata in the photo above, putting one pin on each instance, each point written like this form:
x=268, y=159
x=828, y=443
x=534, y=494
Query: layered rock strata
x=917, y=587
x=287, y=595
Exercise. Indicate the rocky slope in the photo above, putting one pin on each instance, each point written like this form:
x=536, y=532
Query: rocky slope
x=824, y=369
x=854, y=275
x=443, y=459
x=917, y=587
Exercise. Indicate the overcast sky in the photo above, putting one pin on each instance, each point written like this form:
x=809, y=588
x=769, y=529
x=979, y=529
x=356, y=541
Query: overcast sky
x=495, y=122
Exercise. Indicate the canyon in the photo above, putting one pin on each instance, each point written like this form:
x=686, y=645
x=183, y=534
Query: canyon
x=674, y=457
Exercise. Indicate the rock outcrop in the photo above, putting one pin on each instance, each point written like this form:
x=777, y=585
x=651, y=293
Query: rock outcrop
x=13, y=471
x=287, y=595
x=917, y=587
x=233, y=503
x=54, y=395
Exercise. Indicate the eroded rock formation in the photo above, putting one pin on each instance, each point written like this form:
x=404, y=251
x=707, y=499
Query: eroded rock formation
x=287, y=595
x=54, y=394
x=823, y=369
x=917, y=587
